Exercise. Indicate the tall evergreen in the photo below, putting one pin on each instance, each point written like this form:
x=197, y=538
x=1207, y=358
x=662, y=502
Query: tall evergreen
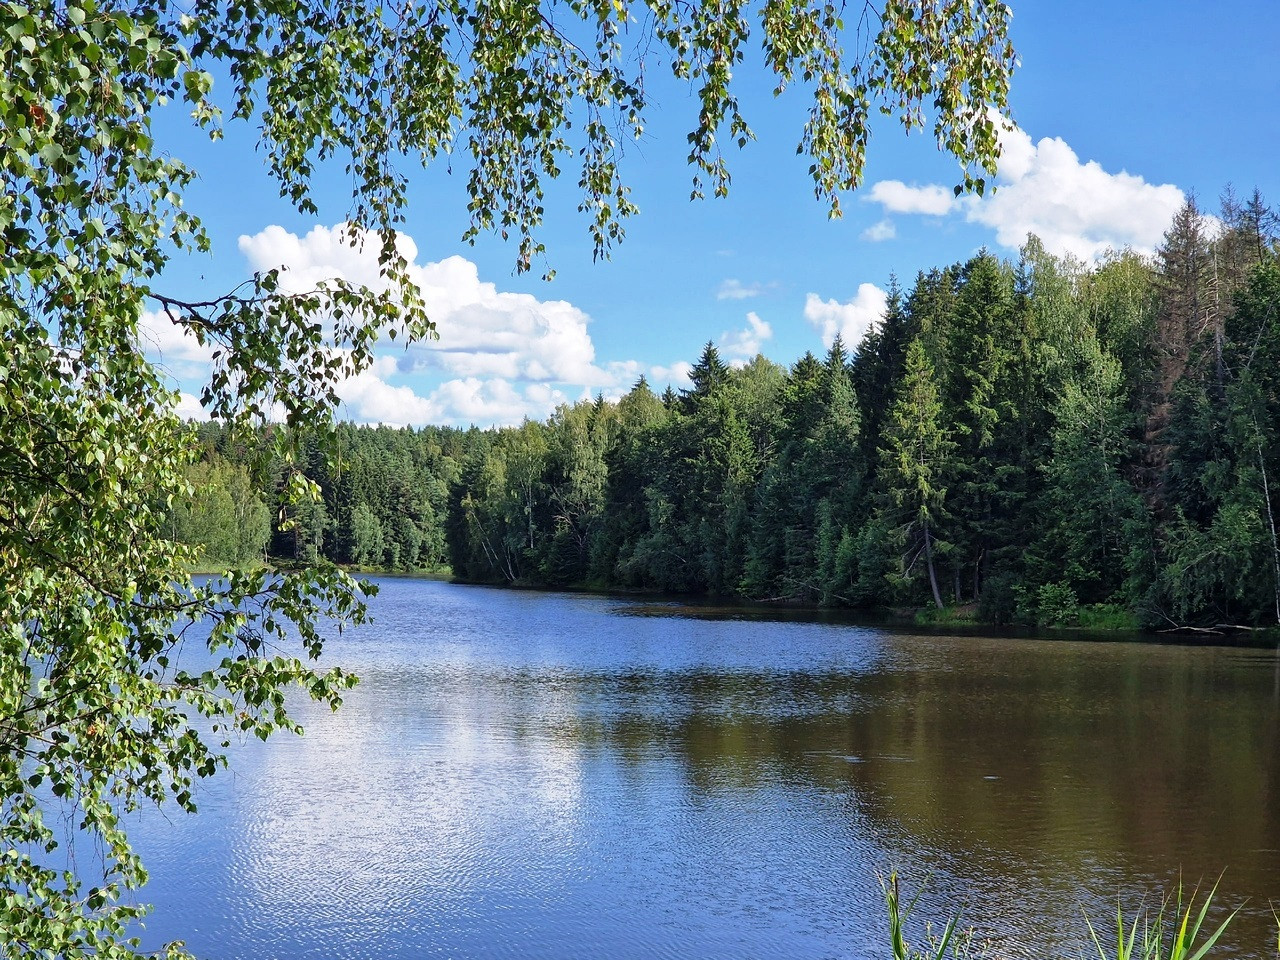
x=916, y=462
x=878, y=364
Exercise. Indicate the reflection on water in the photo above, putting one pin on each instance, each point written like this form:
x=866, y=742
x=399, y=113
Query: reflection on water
x=542, y=775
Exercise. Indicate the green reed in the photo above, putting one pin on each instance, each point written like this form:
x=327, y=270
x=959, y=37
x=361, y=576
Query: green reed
x=1175, y=931
x=1163, y=936
x=898, y=914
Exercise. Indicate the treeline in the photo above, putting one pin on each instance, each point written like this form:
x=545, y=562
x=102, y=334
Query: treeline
x=1038, y=441
x=382, y=498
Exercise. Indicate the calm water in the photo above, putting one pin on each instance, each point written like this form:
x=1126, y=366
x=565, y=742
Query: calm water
x=562, y=776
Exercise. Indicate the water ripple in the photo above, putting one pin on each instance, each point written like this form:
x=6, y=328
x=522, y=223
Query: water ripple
x=556, y=776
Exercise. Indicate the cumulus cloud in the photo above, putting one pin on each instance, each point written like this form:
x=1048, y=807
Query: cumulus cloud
x=1076, y=208
x=173, y=346
x=369, y=398
x=500, y=356
x=851, y=320
x=676, y=375
x=484, y=332
x=496, y=401
x=737, y=290
x=745, y=343
x=896, y=197
x=324, y=253
x=879, y=231
x=189, y=407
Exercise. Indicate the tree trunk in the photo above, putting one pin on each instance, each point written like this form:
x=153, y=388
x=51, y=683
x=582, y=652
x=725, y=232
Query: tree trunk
x=1219, y=334
x=1271, y=521
x=933, y=576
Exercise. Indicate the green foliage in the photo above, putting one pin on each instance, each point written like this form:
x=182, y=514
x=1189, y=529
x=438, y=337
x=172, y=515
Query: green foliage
x=756, y=481
x=224, y=517
x=1164, y=936
x=368, y=545
x=811, y=480
x=998, y=604
x=1052, y=605
x=96, y=604
x=1106, y=616
x=915, y=462
x=1174, y=932
x=944, y=616
x=1099, y=515
x=899, y=915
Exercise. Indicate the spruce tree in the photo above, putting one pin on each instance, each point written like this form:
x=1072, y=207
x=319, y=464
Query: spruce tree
x=915, y=463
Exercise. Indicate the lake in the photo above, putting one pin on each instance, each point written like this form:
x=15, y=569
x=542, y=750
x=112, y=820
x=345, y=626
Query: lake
x=560, y=776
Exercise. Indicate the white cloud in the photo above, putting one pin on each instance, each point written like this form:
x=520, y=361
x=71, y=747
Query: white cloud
x=732, y=289
x=494, y=401
x=624, y=374
x=676, y=375
x=851, y=320
x=483, y=332
x=189, y=407
x=173, y=346
x=1075, y=208
x=369, y=398
x=323, y=254
x=746, y=343
x=896, y=197
x=881, y=230
x=500, y=356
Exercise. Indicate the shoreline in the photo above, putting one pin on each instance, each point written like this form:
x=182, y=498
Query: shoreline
x=951, y=620
x=922, y=619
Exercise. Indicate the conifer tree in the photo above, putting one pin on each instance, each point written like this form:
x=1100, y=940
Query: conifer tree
x=877, y=366
x=915, y=464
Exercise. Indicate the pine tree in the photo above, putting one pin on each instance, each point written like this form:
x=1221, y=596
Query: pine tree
x=979, y=402
x=915, y=462
x=1183, y=273
x=877, y=367
x=708, y=375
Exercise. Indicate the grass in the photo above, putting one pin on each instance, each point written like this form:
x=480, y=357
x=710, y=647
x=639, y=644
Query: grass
x=1176, y=931
x=936, y=949
x=1149, y=938
x=1101, y=617
x=939, y=617
x=1106, y=616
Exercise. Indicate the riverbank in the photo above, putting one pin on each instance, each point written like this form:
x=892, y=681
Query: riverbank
x=207, y=569
x=1092, y=622
x=1088, y=621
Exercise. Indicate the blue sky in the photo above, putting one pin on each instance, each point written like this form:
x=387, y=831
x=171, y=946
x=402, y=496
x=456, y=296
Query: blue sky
x=1120, y=109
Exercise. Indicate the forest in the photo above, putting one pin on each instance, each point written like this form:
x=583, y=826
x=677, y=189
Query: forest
x=1037, y=441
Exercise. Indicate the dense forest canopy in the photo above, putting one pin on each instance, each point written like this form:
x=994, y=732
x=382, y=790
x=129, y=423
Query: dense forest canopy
x=1049, y=441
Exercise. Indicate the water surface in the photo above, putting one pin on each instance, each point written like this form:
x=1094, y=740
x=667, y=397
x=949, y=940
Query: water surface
x=573, y=776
